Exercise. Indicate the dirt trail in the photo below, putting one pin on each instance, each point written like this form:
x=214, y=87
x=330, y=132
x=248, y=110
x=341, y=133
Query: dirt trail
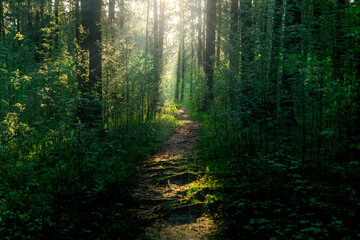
x=166, y=205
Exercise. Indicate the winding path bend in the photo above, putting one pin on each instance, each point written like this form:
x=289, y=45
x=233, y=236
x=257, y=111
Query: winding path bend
x=162, y=190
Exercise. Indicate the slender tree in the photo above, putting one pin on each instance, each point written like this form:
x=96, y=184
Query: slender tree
x=234, y=50
x=199, y=39
x=1, y=20
x=178, y=75
x=182, y=34
x=111, y=17
x=275, y=55
x=292, y=41
x=92, y=87
x=218, y=40
x=210, y=53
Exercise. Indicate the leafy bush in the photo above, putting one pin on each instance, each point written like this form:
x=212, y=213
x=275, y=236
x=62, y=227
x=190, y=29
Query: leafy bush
x=72, y=183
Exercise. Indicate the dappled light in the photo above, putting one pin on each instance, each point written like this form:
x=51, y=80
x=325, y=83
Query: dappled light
x=179, y=119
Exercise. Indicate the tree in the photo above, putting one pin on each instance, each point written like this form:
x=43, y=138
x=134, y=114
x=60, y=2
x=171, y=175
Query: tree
x=178, y=75
x=199, y=25
x=91, y=87
x=210, y=53
x=275, y=54
x=292, y=41
x=111, y=11
x=158, y=50
x=234, y=49
x=218, y=41
x=1, y=20
x=183, y=35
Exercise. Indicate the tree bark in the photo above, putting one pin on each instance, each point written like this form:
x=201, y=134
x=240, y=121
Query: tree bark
x=210, y=53
x=234, y=49
x=275, y=56
x=77, y=21
x=122, y=15
x=111, y=11
x=182, y=21
x=192, y=52
x=218, y=42
x=57, y=24
x=178, y=75
x=90, y=18
x=2, y=36
x=292, y=42
x=199, y=35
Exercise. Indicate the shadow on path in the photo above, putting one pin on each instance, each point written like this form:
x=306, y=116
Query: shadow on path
x=162, y=190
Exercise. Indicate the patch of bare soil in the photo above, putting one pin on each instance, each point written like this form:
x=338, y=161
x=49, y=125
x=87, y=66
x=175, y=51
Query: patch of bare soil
x=163, y=182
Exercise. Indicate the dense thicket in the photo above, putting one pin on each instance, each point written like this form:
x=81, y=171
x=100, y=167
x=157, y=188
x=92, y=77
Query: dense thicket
x=80, y=108
x=275, y=84
x=282, y=129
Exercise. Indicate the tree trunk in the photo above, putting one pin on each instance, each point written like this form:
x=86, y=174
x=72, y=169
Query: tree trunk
x=199, y=34
x=246, y=49
x=192, y=52
x=111, y=11
x=2, y=36
x=29, y=13
x=218, y=42
x=182, y=21
x=275, y=56
x=90, y=18
x=156, y=57
x=178, y=75
x=57, y=24
x=147, y=31
x=210, y=52
x=161, y=31
x=158, y=50
x=234, y=50
x=77, y=21
x=292, y=42
x=122, y=15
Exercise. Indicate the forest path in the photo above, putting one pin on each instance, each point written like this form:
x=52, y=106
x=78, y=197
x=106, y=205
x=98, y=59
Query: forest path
x=172, y=196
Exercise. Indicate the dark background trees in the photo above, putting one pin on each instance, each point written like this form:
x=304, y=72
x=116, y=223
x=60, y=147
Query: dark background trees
x=284, y=115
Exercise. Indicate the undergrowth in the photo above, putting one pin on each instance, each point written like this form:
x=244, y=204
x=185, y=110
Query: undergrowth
x=273, y=196
x=73, y=182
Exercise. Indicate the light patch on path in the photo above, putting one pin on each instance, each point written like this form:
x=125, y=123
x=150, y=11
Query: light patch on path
x=162, y=187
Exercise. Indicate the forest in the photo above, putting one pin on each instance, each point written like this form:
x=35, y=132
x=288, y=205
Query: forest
x=93, y=89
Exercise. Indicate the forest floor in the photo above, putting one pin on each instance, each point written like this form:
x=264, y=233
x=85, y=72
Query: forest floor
x=171, y=194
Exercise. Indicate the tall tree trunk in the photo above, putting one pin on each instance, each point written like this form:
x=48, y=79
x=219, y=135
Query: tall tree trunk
x=234, y=49
x=29, y=13
x=161, y=31
x=158, y=50
x=199, y=34
x=111, y=18
x=57, y=24
x=192, y=52
x=2, y=35
x=339, y=44
x=182, y=69
x=77, y=21
x=147, y=30
x=292, y=42
x=122, y=15
x=246, y=49
x=210, y=53
x=90, y=18
x=218, y=42
x=178, y=75
x=182, y=21
x=156, y=58
x=275, y=56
